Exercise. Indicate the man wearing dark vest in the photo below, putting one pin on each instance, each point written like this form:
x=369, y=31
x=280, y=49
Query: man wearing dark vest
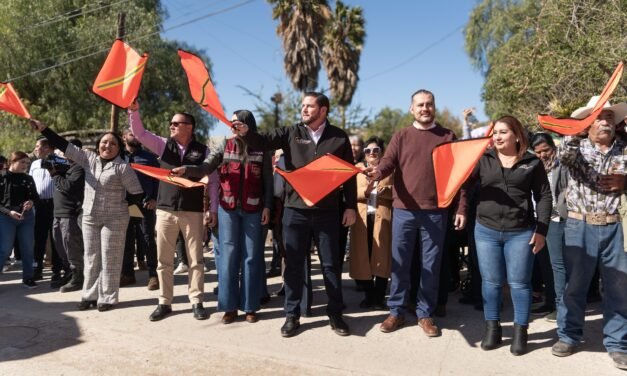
x=178, y=209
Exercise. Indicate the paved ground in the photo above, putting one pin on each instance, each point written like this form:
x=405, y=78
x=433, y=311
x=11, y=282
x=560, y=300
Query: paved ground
x=41, y=333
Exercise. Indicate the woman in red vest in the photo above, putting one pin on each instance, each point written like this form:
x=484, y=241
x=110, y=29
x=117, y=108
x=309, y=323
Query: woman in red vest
x=246, y=196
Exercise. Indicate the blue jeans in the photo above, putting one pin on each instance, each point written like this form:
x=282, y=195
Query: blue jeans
x=24, y=230
x=555, y=244
x=241, y=264
x=505, y=255
x=427, y=227
x=585, y=246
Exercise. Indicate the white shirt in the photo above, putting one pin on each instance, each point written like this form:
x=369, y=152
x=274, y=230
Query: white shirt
x=315, y=135
x=420, y=127
x=372, y=199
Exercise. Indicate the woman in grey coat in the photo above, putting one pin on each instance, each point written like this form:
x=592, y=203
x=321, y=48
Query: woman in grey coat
x=110, y=186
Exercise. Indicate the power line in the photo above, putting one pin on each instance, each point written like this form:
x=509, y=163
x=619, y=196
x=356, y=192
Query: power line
x=418, y=54
x=72, y=14
x=32, y=73
x=106, y=44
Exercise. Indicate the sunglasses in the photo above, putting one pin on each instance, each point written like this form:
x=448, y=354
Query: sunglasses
x=375, y=150
x=177, y=123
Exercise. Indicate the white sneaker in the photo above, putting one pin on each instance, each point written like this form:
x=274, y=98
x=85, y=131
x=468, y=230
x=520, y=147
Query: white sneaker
x=181, y=269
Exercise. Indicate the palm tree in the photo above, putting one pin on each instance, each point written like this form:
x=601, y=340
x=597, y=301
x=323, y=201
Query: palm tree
x=342, y=45
x=301, y=26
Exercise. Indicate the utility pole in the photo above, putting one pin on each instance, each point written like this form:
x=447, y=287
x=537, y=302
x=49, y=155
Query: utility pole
x=114, y=109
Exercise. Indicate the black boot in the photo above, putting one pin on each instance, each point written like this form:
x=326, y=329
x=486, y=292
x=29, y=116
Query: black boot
x=75, y=283
x=67, y=276
x=519, y=340
x=493, y=335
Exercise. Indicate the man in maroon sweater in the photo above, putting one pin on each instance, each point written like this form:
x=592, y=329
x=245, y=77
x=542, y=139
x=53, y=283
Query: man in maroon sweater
x=416, y=216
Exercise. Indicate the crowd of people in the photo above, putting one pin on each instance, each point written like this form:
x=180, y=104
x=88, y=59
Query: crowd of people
x=544, y=219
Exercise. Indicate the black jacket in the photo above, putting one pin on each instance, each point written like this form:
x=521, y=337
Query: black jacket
x=69, y=192
x=299, y=149
x=505, y=197
x=175, y=198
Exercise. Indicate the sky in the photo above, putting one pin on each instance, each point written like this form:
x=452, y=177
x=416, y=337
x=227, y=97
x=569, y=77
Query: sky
x=409, y=45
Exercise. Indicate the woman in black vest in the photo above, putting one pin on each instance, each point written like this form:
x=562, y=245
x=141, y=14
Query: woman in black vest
x=246, y=197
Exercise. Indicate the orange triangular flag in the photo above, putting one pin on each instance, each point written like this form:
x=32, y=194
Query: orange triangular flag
x=453, y=163
x=119, y=79
x=570, y=126
x=163, y=175
x=10, y=101
x=200, y=85
x=320, y=177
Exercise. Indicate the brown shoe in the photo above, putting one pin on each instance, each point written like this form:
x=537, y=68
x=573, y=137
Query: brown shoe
x=251, y=317
x=428, y=326
x=153, y=283
x=229, y=317
x=392, y=323
x=126, y=280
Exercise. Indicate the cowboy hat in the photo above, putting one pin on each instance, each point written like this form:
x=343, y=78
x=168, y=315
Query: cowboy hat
x=619, y=109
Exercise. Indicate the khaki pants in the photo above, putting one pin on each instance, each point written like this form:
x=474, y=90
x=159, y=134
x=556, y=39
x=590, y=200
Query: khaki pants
x=169, y=223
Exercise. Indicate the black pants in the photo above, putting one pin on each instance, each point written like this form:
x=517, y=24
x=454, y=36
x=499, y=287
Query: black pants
x=140, y=235
x=299, y=227
x=44, y=215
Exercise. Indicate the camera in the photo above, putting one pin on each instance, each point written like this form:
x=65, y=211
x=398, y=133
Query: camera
x=56, y=163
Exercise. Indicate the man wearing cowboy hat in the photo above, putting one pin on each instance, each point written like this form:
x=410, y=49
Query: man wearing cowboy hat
x=593, y=233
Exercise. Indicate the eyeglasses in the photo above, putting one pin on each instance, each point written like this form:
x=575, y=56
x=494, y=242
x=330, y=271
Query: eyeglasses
x=375, y=150
x=177, y=123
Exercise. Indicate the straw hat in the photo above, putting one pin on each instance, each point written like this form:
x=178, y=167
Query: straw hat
x=619, y=109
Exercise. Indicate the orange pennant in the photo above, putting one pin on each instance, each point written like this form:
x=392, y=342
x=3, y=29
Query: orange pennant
x=163, y=174
x=453, y=163
x=200, y=85
x=119, y=79
x=319, y=178
x=10, y=101
x=570, y=126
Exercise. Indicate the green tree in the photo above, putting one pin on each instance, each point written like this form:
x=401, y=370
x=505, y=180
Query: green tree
x=545, y=56
x=341, y=51
x=390, y=120
x=301, y=27
x=75, y=36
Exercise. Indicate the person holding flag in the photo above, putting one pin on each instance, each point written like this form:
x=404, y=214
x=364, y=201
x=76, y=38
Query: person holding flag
x=416, y=218
x=303, y=143
x=178, y=209
x=246, y=198
x=110, y=186
x=593, y=232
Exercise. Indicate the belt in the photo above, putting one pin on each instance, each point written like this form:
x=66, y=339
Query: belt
x=599, y=219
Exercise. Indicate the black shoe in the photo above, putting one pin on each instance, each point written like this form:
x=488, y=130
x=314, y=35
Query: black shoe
x=339, y=326
x=493, y=335
x=215, y=291
x=55, y=284
x=519, y=340
x=290, y=327
x=279, y=292
x=38, y=275
x=85, y=304
x=199, y=312
x=103, y=307
x=55, y=277
x=160, y=312
x=273, y=273
x=29, y=283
